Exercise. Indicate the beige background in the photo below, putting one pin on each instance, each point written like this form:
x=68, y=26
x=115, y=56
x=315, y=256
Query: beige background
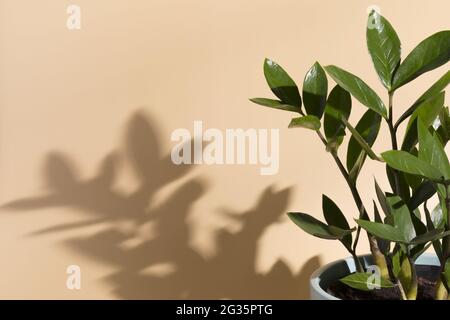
x=85, y=123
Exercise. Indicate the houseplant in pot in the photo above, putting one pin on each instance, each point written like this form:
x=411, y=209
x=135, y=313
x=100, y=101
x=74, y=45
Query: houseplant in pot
x=400, y=225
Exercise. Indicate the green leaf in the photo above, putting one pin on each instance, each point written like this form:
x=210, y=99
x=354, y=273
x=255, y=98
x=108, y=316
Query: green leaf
x=334, y=217
x=376, y=213
x=437, y=216
x=362, y=142
x=444, y=126
x=428, y=111
x=422, y=193
x=447, y=272
x=368, y=128
x=339, y=105
x=412, y=181
x=315, y=89
x=431, y=150
x=402, y=189
x=384, y=245
x=402, y=217
x=317, y=228
x=308, y=122
x=276, y=104
x=384, y=47
x=383, y=231
x=358, y=88
x=431, y=53
x=437, y=87
x=406, y=162
x=382, y=199
x=430, y=236
x=431, y=226
x=362, y=281
x=281, y=84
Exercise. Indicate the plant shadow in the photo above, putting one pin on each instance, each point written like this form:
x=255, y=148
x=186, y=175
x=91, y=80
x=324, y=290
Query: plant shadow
x=161, y=264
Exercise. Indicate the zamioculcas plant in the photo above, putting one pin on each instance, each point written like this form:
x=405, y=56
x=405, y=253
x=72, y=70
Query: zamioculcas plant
x=400, y=226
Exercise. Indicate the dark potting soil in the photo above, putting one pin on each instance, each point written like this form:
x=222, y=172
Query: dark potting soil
x=427, y=278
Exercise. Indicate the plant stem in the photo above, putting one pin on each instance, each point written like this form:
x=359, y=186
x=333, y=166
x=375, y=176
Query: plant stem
x=402, y=291
x=446, y=240
x=379, y=258
x=412, y=291
x=358, y=265
x=393, y=132
x=441, y=292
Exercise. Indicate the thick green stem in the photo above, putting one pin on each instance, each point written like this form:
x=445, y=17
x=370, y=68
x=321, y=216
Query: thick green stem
x=379, y=258
x=446, y=240
x=412, y=290
x=358, y=265
x=393, y=133
x=402, y=291
x=441, y=291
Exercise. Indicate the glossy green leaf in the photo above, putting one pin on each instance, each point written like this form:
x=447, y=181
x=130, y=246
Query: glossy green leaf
x=402, y=189
x=339, y=105
x=317, y=228
x=384, y=47
x=412, y=180
x=406, y=162
x=334, y=217
x=419, y=226
x=384, y=245
x=444, y=126
x=358, y=88
x=281, y=84
x=431, y=226
x=437, y=87
x=431, y=53
x=383, y=231
x=376, y=213
x=315, y=89
x=382, y=199
x=438, y=216
x=362, y=142
x=368, y=128
x=308, y=122
x=433, y=235
x=431, y=150
x=363, y=281
x=428, y=111
x=276, y=104
x=422, y=193
x=402, y=217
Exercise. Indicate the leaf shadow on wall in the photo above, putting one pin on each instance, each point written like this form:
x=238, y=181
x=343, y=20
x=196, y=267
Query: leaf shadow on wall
x=230, y=273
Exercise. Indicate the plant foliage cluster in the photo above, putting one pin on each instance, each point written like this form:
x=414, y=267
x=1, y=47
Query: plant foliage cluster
x=399, y=224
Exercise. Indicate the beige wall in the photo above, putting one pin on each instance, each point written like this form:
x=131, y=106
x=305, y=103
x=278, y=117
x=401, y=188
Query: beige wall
x=85, y=124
